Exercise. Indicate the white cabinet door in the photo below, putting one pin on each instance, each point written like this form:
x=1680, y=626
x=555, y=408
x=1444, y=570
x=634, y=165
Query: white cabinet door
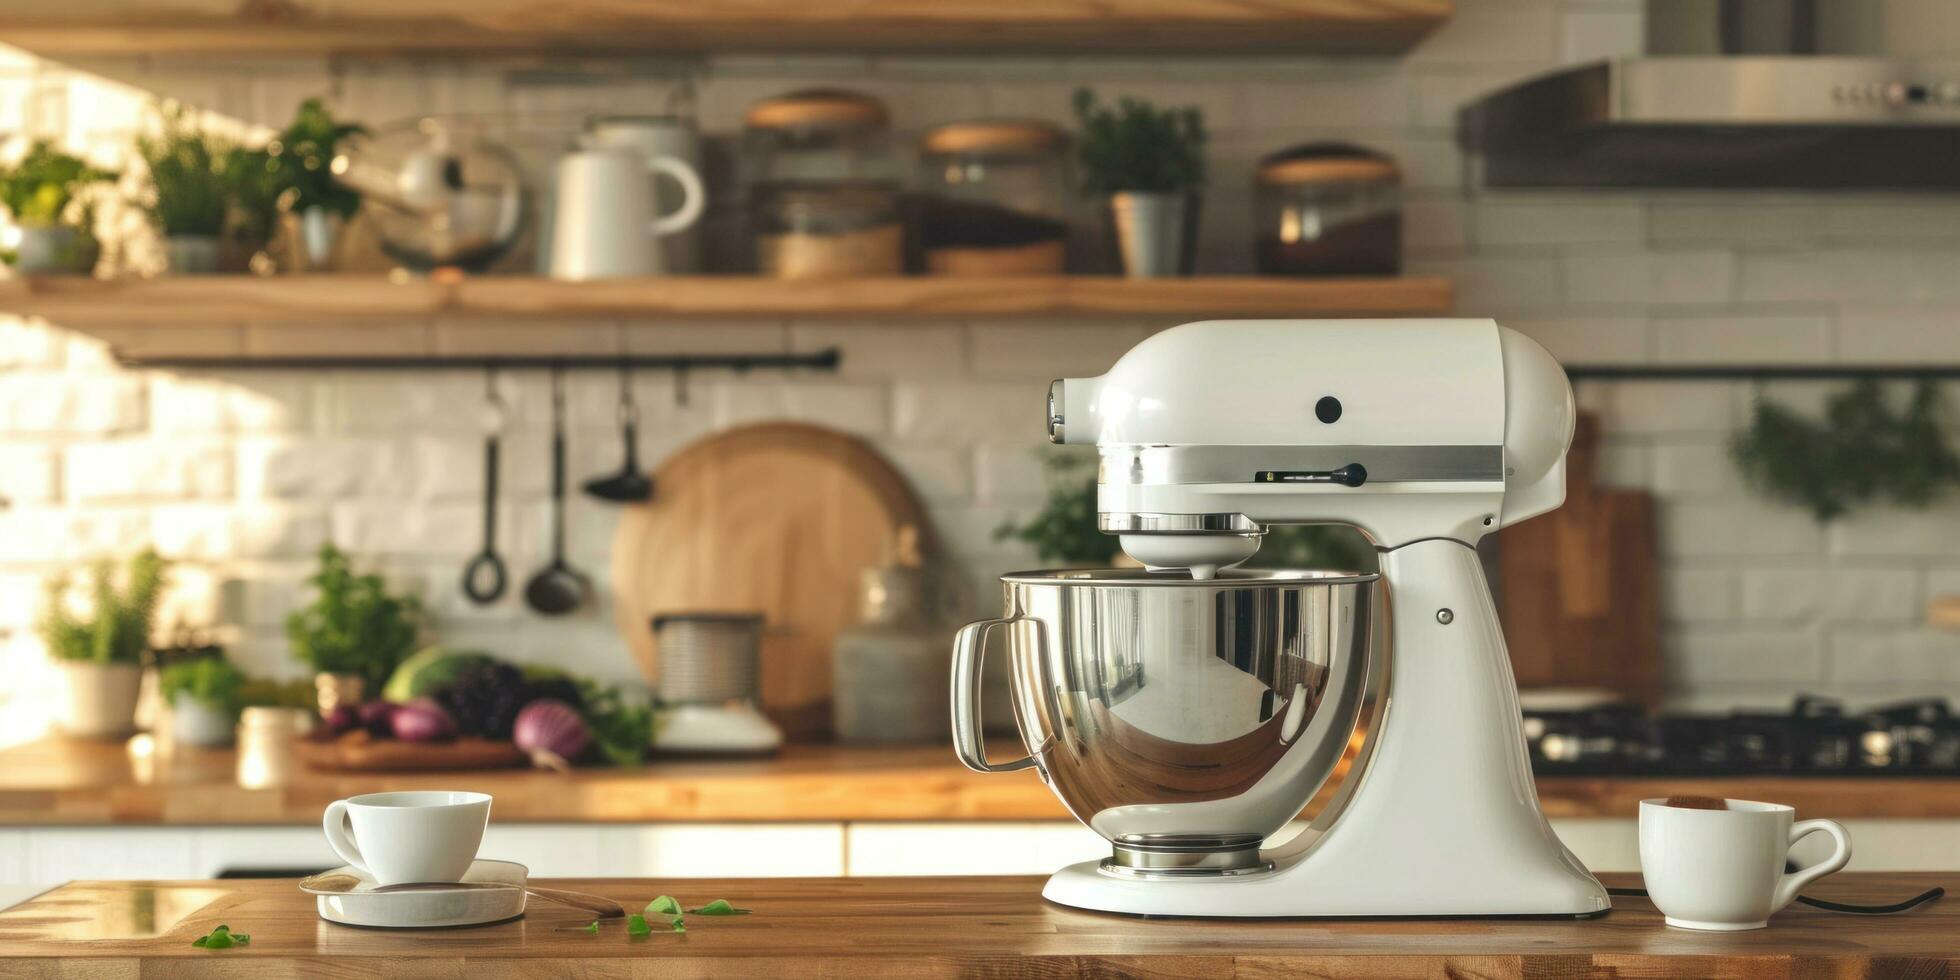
x=737, y=850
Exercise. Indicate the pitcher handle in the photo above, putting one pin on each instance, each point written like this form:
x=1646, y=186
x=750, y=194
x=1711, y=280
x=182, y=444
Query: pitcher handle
x=969, y=738
x=693, y=196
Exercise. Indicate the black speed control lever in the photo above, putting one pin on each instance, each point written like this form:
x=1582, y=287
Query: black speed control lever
x=1351, y=475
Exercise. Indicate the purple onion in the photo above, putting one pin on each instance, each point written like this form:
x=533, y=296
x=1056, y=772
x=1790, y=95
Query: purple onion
x=422, y=720
x=378, y=717
x=551, y=732
x=340, y=718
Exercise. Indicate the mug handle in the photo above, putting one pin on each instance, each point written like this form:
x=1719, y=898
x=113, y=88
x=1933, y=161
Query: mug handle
x=969, y=736
x=1790, y=884
x=693, y=196
x=334, y=822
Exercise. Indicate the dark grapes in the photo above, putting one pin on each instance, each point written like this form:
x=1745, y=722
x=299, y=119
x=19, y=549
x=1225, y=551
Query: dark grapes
x=485, y=699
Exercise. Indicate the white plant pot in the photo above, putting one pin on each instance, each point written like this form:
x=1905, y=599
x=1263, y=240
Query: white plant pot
x=191, y=255
x=56, y=250
x=192, y=722
x=99, y=699
x=1154, y=232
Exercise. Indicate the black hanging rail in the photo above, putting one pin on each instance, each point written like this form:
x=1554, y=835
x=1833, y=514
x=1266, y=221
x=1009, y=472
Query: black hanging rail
x=1762, y=372
x=826, y=359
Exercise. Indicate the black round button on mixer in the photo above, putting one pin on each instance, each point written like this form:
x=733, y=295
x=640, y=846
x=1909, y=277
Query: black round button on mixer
x=1328, y=409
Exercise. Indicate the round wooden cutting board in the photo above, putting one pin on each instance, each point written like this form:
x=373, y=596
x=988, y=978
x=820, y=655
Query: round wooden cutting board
x=778, y=519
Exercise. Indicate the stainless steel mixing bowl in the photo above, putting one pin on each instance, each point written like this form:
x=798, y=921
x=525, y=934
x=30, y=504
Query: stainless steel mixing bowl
x=1185, y=721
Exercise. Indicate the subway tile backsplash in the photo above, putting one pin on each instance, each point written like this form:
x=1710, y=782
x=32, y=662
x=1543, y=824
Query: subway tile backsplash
x=239, y=474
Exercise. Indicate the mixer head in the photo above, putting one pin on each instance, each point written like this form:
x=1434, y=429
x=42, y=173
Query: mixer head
x=1406, y=429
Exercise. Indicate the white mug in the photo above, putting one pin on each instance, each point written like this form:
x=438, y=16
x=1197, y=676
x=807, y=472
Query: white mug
x=606, y=222
x=403, y=837
x=1723, y=869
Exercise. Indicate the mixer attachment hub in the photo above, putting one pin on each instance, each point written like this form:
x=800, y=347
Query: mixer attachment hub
x=1186, y=856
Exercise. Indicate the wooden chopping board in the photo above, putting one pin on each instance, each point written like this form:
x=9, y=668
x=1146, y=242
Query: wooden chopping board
x=1578, y=588
x=358, y=751
x=778, y=519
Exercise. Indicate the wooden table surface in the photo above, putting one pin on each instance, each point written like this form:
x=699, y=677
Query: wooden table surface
x=79, y=783
x=877, y=927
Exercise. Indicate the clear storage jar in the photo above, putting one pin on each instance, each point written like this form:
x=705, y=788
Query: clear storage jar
x=993, y=198
x=1328, y=209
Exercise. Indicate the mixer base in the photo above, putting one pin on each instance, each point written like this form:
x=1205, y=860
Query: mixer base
x=1292, y=890
x=1186, y=856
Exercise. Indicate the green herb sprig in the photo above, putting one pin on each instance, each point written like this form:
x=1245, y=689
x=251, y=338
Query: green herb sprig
x=621, y=727
x=304, y=152
x=221, y=938
x=1064, y=530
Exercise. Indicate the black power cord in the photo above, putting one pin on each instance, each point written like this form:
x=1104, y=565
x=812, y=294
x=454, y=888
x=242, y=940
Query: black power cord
x=1905, y=906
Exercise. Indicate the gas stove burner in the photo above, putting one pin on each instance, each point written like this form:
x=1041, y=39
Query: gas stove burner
x=1815, y=737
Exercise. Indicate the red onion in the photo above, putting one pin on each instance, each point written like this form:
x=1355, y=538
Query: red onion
x=378, y=717
x=339, y=719
x=552, y=732
x=422, y=720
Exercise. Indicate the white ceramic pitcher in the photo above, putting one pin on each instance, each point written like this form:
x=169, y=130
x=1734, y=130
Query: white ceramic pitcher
x=607, y=222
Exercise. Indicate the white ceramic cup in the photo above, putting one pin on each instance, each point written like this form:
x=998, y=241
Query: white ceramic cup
x=605, y=224
x=1722, y=870
x=402, y=837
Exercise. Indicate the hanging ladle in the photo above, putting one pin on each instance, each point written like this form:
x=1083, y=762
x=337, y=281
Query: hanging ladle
x=484, y=577
x=629, y=485
x=557, y=588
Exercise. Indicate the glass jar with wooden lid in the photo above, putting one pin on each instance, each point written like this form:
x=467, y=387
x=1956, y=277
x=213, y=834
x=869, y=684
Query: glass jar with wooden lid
x=1328, y=209
x=993, y=198
x=824, y=189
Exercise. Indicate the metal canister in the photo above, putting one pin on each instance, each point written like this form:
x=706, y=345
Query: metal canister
x=708, y=657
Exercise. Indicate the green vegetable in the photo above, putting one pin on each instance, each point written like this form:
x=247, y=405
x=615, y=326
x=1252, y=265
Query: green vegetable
x=212, y=681
x=678, y=925
x=1138, y=147
x=118, y=628
x=39, y=187
x=429, y=671
x=622, y=728
x=593, y=928
x=304, y=153
x=664, y=905
x=201, y=941
x=720, y=906
x=636, y=925
x=354, y=626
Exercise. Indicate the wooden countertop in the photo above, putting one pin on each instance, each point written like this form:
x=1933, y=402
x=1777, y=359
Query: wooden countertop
x=892, y=927
x=98, y=783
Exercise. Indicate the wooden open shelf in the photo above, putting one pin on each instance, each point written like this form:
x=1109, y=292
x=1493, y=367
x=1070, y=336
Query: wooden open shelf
x=372, y=321
x=312, y=27
x=217, y=299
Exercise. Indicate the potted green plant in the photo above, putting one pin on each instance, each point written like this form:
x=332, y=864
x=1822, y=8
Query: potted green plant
x=316, y=206
x=98, y=652
x=355, y=631
x=1150, y=164
x=204, y=696
x=48, y=193
x=256, y=182
x=192, y=192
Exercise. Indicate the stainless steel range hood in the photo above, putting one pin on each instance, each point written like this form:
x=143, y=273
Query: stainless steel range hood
x=1741, y=93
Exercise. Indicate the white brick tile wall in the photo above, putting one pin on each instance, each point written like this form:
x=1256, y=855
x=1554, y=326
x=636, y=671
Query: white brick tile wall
x=243, y=473
x=1643, y=278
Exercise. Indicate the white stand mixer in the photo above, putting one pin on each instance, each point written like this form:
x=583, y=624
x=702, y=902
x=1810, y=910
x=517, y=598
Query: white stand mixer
x=1424, y=434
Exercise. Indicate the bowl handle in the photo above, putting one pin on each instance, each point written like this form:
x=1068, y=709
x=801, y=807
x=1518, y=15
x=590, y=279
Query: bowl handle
x=969, y=738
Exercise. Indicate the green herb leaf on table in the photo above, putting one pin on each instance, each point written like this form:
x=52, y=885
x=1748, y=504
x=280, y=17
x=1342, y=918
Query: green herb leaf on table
x=221, y=938
x=720, y=906
x=593, y=928
x=664, y=905
x=636, y=925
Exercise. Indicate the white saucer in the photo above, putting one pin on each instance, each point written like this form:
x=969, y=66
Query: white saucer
x=427, y=908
